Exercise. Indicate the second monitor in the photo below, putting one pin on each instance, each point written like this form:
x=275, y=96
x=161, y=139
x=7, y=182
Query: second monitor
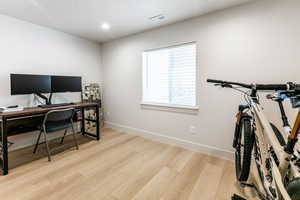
x=38, y=84
x=66, y=84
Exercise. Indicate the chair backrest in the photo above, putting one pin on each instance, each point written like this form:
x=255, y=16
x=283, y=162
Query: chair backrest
x=59, y=115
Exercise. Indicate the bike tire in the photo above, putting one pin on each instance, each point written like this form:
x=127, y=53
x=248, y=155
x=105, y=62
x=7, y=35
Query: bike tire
x=243, y=155
x=293, y=189
x=278, y=135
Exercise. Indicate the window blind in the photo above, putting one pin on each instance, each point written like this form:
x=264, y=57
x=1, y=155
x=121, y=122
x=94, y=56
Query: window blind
x=170, y=75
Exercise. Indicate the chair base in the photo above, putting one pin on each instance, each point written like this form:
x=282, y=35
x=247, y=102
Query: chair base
x=46, y=141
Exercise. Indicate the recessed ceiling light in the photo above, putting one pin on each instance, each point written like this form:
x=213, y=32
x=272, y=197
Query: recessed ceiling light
x=105, y=26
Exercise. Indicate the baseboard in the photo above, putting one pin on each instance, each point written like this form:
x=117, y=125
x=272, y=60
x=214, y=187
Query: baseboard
x=214, y=151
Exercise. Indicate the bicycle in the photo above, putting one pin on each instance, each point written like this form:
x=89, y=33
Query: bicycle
x=276, y=158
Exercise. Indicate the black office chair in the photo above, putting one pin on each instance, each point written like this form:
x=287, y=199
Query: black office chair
x=57, y=120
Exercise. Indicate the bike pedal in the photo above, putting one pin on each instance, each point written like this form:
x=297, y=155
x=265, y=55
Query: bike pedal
x=237, y=197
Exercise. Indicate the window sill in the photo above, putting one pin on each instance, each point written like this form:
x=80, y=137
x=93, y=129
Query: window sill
x=170, y=107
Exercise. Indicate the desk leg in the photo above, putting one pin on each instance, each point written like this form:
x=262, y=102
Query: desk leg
x=82, y=121
x=98, y=122
x=4, y=146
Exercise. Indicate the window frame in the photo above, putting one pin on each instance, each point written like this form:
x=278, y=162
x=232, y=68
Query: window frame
x=168, y=106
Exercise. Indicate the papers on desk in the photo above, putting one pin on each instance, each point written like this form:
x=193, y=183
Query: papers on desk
x=5, y=109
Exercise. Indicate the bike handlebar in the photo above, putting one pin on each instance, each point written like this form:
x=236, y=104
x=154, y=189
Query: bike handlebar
x=288, y=86
x=226, y=83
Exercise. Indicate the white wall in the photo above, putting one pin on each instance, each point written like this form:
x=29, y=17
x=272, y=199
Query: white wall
x=32, y=49
x=257, y=42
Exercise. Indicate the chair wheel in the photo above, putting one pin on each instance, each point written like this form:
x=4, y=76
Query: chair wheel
x=237, y=197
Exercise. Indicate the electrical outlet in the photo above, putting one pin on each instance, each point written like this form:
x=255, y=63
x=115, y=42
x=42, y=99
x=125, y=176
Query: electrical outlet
x=193, y=130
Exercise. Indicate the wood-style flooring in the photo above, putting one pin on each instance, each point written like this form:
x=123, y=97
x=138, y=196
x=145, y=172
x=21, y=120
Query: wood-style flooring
x=119, y=167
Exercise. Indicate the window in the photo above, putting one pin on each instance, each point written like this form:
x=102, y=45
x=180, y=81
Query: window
x=169, y=76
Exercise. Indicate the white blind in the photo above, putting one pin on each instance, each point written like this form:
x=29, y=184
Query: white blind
x=170, y=75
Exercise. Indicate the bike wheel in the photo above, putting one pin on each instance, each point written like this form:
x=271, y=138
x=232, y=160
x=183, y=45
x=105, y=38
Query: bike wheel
x=293, y=189
x=278, y=135
x=243, y=151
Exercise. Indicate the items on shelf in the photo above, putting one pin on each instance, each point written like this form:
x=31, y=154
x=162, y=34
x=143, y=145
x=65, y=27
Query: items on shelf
x=92, y=92
x=90, y=124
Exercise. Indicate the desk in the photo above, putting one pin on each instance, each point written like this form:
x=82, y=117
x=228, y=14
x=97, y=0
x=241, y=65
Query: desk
x=18, y=122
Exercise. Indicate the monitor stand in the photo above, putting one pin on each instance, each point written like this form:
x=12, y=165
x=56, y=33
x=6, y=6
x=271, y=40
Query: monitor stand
x=47, y=99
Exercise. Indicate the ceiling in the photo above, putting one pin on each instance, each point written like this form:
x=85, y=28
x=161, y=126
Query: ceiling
x=85, y=17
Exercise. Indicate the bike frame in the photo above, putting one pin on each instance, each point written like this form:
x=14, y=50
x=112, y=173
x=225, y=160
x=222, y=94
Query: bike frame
x=275, y=159
x=264, y=140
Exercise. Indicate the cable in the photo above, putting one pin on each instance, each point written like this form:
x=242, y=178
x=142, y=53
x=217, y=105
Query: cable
x=246, y=95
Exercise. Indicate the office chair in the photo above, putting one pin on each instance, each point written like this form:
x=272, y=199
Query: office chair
x=57, y=120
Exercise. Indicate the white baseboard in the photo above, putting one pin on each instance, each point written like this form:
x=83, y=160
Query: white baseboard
x=214, y=151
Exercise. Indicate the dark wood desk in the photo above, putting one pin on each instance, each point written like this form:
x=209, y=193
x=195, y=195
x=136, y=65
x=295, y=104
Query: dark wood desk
x=13, y=123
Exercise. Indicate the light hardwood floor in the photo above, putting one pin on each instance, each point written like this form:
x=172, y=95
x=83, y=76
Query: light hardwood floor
x=119, y=167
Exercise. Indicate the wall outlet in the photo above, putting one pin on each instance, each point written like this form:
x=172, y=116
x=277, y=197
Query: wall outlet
x=193, y=130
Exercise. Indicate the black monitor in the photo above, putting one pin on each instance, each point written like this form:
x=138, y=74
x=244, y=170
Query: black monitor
x=30, y=84
x=66, y=84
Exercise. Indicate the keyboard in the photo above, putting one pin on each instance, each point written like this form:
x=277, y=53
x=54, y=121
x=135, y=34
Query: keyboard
x=55, y=105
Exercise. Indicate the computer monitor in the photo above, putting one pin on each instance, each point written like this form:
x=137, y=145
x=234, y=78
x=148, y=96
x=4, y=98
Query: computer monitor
x=66, y=84
x=30, y=84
